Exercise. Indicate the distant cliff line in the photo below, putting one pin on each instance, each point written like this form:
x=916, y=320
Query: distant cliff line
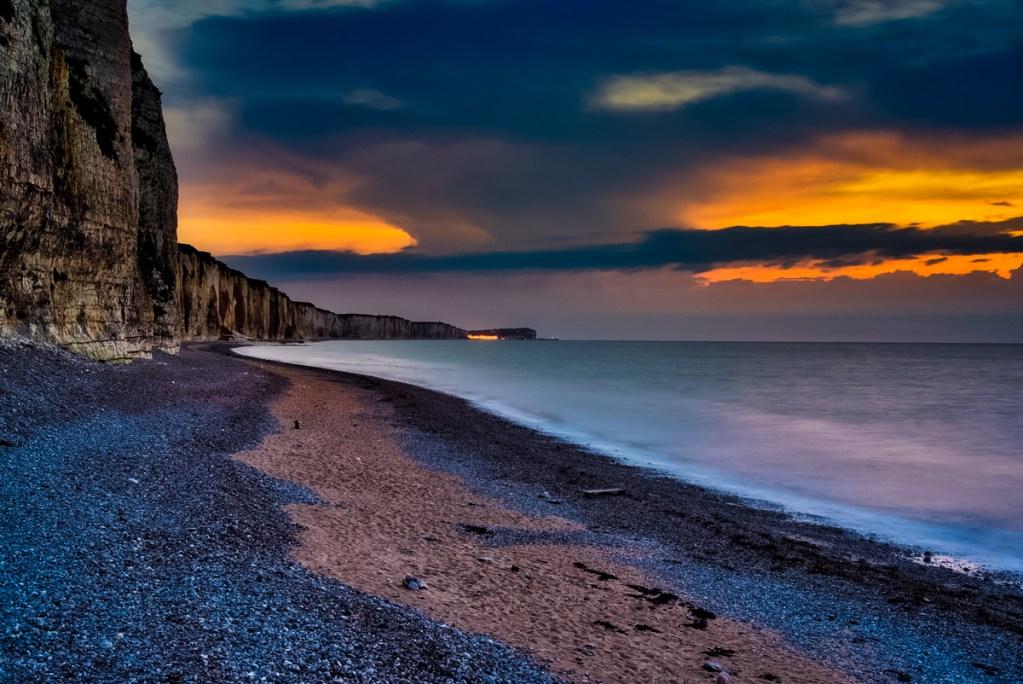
x=89, y=257
x=215, y=300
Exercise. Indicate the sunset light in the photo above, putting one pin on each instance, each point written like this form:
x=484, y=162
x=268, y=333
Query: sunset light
x=246, y=231
x=511, y=341
x=864, y=178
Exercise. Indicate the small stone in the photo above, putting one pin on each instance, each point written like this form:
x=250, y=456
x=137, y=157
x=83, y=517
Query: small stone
x=297, y=427
x=723, y=678
x=413, y=583
x=106, y=644
x=485, y=559
x=713, y=666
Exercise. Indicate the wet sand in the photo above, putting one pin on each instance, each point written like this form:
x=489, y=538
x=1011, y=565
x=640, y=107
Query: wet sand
x=577, y=609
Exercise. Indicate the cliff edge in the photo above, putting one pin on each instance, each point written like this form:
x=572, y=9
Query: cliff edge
x=89, y=257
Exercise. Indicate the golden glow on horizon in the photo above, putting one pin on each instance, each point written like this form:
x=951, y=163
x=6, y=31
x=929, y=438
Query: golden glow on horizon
x=1001, y=265
x=486, y=338
x=862, y=177
x=813, y=192
x=866, y=178
x=241, y=231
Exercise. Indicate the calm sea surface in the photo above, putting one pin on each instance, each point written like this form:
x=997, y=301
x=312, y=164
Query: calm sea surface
x=921, y=444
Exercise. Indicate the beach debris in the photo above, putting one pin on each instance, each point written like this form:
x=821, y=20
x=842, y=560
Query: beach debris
x=614, y=491
x=601, y=575
x=701, y=617
x=609, y=626
x=652, y=594
x=713, y=666
x=297, y=426
x=413, y=583
x=477, y=529
x=485, y=559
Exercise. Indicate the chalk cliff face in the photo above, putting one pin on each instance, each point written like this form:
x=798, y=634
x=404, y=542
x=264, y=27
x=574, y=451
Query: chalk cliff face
x=88, y=204
x=69, y=187
x=217, y=301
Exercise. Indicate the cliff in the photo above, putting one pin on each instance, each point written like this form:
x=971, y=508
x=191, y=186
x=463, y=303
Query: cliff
x=88, y=204
x=216, y=301
x=79, y=196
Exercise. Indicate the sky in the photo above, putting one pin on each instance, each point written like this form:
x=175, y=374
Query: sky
x=655, y=169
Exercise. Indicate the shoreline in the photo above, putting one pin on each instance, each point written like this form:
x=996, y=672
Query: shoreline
x=576, y=600
x=916, y=538
x=145, y=549
x=798, y=578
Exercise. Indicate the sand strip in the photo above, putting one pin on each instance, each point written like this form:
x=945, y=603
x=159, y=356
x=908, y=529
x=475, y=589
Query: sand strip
x=572, y=607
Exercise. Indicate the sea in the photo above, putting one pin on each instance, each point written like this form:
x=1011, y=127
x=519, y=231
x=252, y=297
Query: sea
x=919, y=444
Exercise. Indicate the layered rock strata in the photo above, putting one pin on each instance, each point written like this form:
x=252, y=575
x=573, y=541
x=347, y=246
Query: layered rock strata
x=216, y=301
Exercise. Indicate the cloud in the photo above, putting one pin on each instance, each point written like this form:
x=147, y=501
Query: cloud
x=683, y=249
x=493, y=146
x=192, y=125
x=155, y=22
x=867, y=12
x=679, y=89
x=374, y=99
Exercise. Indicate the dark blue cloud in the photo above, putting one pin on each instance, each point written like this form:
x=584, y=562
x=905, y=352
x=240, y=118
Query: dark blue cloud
x=524, y=67
x=521, y=75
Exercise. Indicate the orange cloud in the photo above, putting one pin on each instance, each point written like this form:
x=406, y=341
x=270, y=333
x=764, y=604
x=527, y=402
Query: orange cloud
x=256, y=208
x=1001, y=265
x=242, y=232
x=862, y=178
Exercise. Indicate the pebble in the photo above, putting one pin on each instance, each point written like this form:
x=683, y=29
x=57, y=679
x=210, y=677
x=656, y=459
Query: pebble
x=413, y=583
x=171, y=580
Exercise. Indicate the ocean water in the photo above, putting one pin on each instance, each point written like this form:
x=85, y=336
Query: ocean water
x=918, y=444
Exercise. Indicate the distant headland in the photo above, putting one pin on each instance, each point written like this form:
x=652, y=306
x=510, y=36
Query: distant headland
x=503, y=334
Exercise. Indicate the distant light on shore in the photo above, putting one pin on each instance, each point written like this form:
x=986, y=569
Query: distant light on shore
x=488, y=338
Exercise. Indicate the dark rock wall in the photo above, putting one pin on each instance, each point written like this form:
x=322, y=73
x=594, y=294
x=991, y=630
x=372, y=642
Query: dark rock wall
x=88, y=204
x=158, y=206
x=69, y=192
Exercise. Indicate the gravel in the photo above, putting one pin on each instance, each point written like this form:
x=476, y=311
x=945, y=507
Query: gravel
x=133, y=549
